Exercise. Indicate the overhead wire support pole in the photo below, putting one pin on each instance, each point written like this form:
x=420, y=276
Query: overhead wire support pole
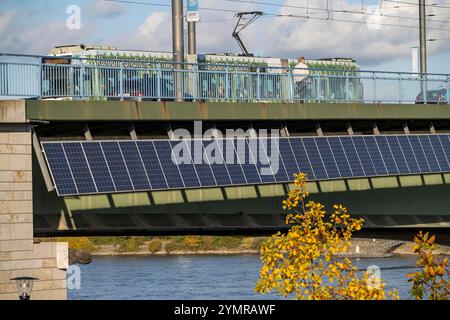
x=423, y=37
x=178, y=48
x=192, y=41
x=423, y=50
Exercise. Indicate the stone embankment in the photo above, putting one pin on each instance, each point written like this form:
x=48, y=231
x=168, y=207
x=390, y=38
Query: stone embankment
x=359, y=248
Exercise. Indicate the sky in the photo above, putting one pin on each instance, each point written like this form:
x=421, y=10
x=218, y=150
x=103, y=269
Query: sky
x=305, y=27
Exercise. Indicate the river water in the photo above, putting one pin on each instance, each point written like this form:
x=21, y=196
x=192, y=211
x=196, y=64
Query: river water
x=202, y=277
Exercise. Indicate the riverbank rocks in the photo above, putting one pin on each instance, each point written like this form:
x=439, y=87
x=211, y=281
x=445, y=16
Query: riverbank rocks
x=79, y=257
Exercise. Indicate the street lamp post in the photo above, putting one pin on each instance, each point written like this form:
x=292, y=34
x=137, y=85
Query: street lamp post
x=24, y=286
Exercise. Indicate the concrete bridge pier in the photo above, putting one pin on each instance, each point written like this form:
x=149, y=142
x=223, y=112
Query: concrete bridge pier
x=20, y=255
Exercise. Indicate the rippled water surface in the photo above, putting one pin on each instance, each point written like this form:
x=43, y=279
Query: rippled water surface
x=199, y=277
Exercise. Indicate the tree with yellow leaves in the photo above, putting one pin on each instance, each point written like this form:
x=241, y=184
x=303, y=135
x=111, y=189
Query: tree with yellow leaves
x=302, y=263
x=433, y=280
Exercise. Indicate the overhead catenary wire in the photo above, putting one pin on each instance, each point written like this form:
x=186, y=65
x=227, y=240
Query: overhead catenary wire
x=361, y=12
x=277, y=15
x=435, y=5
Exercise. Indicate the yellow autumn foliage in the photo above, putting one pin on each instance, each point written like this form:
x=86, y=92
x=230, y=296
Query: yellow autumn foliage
x=432, y=281
x=302, y=263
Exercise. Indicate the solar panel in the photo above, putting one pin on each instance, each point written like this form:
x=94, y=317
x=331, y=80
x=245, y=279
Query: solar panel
x=263, y=162
x=100, y=171
x=59, y=168
x=117, y=167
x=248, y=155
x=315, y=159
x=80, y=169
x=420, y=155
x=364, y=156
x=429, y=152
x=135, y=165
x=409, y=155
x=328, y=159
x=289, y=161
x=152, y=165
x=88, y=167
x=397, y=152
x=186, y=167
x=439, y=152
x=170, y=170
x=375, y=155
x=202, y=164
x=340, y=157
x=301, y=157
x=281, y=174
x=213, y=153
x=232, y=163
x=388, y=157
x=352, y=156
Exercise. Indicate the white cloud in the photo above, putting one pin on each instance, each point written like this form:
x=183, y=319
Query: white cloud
x=105, y=9
x=277, y=37
x=155, y=33
x=41, y=39
x=6, y=18
x=293, y=36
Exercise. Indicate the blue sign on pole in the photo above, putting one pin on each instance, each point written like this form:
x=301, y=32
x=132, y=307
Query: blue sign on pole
x=192, y=5
x=193, y=13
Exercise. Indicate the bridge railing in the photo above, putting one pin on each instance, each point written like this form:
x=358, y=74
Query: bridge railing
x=121, y=79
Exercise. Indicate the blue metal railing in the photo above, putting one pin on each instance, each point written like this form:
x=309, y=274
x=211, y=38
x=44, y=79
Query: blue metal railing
x=119, y=79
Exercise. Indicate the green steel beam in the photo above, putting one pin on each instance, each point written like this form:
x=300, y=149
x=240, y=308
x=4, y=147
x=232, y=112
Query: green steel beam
x=52, y=110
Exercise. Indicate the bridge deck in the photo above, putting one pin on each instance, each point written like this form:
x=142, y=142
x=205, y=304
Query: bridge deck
x=216, y=111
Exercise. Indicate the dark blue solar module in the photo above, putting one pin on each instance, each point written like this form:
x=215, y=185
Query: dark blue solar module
x=232, y=162
x=304, y=165
x=279, y=169
x=201, y=163
x=408, y=152
x=123, y=166
x=99, y=168
x=397, y=152
x=352, y=156
x=328, y=158
x=445, y=142
x=264, y=161
x=429, y=153
x=375, y=155
x=315, y=158
x=214, y=157
x=388, y=157
x=79, y=167
x=288, y=158
x=170, y=169
x=364, y=156
x=62, y=177
x=247, y=153
x=117, y=166
x=135, y=165
x=152, y=165
x=421, y=158
x=340, y=157
x=439, y=152
x=182, y=151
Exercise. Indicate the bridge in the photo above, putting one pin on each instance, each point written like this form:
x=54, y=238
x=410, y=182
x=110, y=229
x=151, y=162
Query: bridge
x=104, y=130
x=88, y=147
x=372, y=140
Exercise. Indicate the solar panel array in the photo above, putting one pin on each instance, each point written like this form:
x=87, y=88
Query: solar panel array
x=89, y=167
